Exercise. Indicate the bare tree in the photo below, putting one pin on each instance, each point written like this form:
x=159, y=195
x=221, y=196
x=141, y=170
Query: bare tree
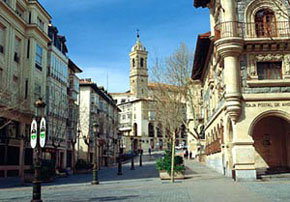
x=57, y=120
x=172, y=93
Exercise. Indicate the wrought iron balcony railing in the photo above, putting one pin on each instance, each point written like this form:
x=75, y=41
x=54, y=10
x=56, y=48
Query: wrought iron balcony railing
x=252, y=30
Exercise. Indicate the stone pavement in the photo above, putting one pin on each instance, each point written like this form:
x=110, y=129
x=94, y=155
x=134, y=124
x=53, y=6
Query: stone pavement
x=143, y=184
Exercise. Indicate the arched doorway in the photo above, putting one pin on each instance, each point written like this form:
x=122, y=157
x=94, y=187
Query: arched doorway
x=151, y=130
x=271, y=137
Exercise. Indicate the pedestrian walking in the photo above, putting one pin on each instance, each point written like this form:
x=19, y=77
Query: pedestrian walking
x=149, y=150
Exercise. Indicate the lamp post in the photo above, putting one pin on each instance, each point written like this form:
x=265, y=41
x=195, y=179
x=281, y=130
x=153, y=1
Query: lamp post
x=132, y=158
x=96, y=154
x=141, y=153
x=36, y=194
x=120, y=159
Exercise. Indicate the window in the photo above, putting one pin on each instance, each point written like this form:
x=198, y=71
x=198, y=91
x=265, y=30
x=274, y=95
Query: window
x=40, y=23
x=19, y=11
x=269, y=70
x=1, y=75
x=150, y=130
x=17, y=49
x=133, y=62
x=38, y=57
x=2, y=32
x=26, y=89
x=142, y=62
x=265, y=23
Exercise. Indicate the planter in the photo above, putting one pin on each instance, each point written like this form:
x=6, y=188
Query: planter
x=165, y=176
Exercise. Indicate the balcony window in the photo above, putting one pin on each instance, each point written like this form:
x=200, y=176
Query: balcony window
x=38, y=57
x=265, y=23
x=2, y=32
x=269, y=70
x=40, y=23
x=17, y=49
x=19, y=11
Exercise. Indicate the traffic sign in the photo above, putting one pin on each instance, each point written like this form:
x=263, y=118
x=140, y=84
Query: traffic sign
x=33, y=135
x=42, y=132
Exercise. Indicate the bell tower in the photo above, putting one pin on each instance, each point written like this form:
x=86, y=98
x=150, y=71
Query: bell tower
x=138, y=70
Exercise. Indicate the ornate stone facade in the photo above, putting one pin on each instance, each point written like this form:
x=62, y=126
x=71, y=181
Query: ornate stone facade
x=249, y=55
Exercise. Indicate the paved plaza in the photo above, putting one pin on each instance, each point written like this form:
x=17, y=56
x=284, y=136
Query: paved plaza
x=143, y=184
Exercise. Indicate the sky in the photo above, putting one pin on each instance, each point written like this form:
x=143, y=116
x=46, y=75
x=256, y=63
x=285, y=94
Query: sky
x=100, y=33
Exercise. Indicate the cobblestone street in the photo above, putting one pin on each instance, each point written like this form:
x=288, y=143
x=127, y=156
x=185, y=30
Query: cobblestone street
x=143, y=184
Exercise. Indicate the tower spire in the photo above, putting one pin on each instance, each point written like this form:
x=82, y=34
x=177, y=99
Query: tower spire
x=138, y=35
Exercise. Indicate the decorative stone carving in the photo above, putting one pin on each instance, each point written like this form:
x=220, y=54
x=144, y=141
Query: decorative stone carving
x=269, y=58
x=252, y=70
x=287, y=64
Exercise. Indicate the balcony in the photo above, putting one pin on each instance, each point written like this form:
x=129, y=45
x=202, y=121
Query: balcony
x=258, y=30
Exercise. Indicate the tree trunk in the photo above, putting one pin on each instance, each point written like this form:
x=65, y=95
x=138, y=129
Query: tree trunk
x=172, y=157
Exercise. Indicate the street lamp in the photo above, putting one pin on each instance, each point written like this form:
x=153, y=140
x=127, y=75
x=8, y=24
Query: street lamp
x=120, y=159
x=132, y=158
x=36, y=194
x=96, y=154
x=141, y=153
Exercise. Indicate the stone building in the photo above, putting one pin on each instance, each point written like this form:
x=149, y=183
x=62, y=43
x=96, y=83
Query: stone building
x=23, y=62
x=97, y=107
x=73, y=112
x=244, y=71
x=56, y=98
x=138, y=122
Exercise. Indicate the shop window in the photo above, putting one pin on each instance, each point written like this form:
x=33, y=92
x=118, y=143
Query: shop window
x=269, y=70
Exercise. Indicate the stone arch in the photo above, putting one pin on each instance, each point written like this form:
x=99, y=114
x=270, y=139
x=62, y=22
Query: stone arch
x=281, y=15
x=256, y=5
x=270, y=131
x=278, y=113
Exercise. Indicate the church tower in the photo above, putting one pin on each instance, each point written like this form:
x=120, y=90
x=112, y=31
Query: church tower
x=138, y=70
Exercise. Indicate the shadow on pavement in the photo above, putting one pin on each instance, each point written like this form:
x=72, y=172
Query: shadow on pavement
x=148, y=170
x=114, y=198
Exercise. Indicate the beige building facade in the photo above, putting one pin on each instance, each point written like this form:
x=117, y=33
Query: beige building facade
x=243, y=67
x=97, y=107
x=23, y=62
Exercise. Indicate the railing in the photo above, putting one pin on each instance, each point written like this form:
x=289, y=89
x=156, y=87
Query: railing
x=252, y=30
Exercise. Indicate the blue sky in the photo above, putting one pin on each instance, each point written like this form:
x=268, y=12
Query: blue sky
x=100, y=33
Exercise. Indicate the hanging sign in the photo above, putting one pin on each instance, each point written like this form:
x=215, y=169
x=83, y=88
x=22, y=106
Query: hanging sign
x=33, y=135
x=42, y=136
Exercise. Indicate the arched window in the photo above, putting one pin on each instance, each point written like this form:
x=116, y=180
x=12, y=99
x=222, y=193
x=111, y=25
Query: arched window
x=159, y=130
x=151, y=130
x=265, y=23
x=182, y=131
x=142, y=62
x=135, y=129
x=133, y=62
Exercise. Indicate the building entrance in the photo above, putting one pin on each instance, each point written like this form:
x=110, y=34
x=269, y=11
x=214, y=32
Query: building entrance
x=272, y=144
